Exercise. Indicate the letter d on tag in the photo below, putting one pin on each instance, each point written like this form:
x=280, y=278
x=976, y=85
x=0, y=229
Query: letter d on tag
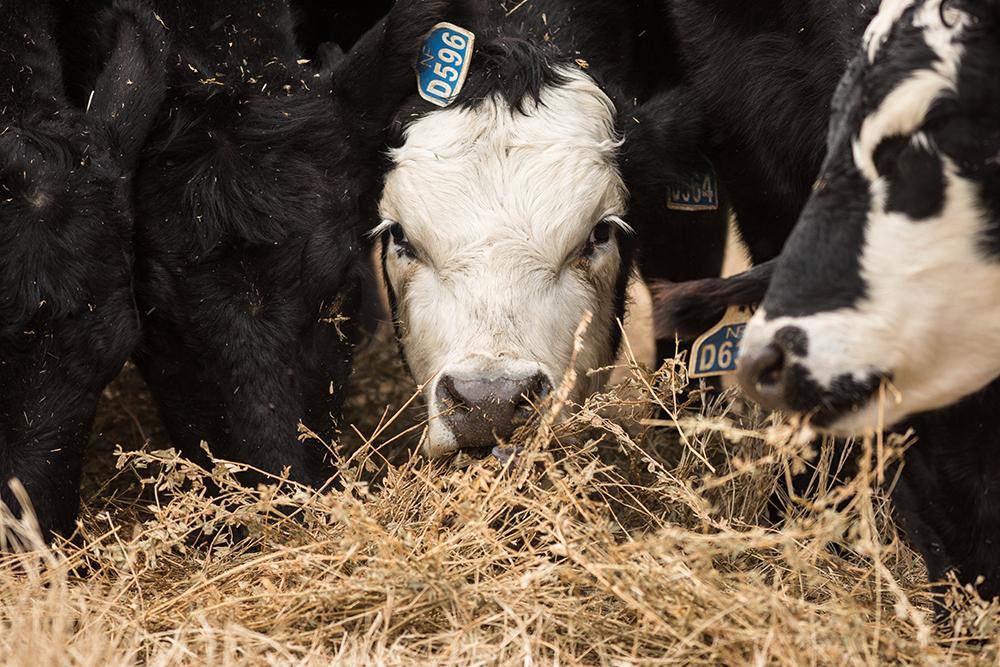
x=443, y=63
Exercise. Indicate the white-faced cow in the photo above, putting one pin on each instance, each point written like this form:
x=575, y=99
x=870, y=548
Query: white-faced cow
x=892, y=275
x=251, y=196
x=67, y=318
x=510, y=213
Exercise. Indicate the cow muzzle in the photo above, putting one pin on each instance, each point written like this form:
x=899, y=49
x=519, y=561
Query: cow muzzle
x=477, y=412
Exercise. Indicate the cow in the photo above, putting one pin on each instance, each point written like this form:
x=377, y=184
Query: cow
x=516, y=208
x=892, y=273
x=252, y=195
x=68, y=321
x=883, y=306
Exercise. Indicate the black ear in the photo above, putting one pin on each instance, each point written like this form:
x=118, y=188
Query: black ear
x=663, y=138
x=131, y=86
x=688, y=309
x=378, y=74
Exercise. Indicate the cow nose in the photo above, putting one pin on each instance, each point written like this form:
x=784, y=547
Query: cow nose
x=480, y=411
x=763, y=373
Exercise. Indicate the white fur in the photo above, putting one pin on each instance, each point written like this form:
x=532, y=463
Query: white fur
x=903, y=110
x=880, y=27
x=498, y=206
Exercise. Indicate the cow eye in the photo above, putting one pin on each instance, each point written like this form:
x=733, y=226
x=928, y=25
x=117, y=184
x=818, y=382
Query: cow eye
x=599, y=236
x=888, y=153
x=979, y=12
x=401, y=240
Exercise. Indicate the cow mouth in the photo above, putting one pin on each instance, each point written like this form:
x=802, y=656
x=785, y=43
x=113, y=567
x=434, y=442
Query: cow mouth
x=841, y=401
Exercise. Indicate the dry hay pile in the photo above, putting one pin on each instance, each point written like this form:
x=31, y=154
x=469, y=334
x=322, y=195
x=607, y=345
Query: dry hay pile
x=602, y=548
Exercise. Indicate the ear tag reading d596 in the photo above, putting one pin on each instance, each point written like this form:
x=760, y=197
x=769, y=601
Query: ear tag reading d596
x=716, y=350
x=698, y=192
x=443, y=63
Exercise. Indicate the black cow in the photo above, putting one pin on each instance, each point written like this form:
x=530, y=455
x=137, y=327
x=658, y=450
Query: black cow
x=509, y=213
x=67, y=318
x=892, y=276
x=251, y=196
x=763, y=72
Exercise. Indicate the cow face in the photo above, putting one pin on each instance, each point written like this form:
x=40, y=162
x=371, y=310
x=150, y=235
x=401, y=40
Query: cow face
x=893, y=272
x=501, y=230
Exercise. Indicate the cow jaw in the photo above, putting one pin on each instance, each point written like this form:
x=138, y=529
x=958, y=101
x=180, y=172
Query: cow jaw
x=502, y=234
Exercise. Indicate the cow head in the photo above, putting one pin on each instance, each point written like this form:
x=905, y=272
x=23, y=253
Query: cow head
x=893, y=272
x=502, y=225
x=252, y=196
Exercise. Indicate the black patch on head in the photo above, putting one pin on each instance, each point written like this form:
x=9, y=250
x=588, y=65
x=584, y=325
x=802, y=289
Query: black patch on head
x=819, y=268
x=915, y=175
x=793, y=339
x=511, y=68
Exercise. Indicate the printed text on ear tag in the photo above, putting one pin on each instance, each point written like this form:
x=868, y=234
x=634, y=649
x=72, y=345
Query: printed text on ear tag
x=716, y=350
x=698, y=192
x=443, y=63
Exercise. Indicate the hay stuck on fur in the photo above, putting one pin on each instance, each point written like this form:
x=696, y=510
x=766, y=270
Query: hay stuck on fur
x=615, y=541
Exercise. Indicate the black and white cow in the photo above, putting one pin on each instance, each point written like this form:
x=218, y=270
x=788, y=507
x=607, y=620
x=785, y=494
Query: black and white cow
x=510, y=213
x=892, y=273
x=252, y=194
x=67, y=317
x=889, y=287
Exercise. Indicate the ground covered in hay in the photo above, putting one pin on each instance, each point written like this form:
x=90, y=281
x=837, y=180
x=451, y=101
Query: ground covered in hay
x=636, y=532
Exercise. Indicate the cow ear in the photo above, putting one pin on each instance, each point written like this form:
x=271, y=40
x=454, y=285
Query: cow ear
x=664, y=138
x=377, y=75
x=131, y=86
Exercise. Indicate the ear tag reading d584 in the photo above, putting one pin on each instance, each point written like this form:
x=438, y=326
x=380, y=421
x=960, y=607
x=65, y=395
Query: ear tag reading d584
x=716, y=350
x=443, y=63
x=699, y=191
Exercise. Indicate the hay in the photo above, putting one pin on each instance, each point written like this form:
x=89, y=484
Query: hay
x=615, y=542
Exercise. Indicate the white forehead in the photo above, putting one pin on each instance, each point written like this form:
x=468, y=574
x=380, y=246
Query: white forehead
x=462, y=175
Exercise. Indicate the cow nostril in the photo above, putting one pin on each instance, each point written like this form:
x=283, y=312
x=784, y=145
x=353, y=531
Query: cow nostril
x=534, y=391
x=480, y=411
x=769, y=367
x=763, y=372
x=450, y=397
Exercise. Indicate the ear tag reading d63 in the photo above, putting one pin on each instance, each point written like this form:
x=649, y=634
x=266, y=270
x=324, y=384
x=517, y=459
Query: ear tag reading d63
x=699, y=191
x=716, y=350
x=443, y=63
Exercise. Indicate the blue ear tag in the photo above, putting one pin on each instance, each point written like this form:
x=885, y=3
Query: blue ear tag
x=715, y=352
x=698, y=191
x=443, y=63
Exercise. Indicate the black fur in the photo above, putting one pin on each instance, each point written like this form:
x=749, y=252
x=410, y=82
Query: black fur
x=764, y=73
x=948, y=494
x=67, y=318
x=688, y=309
x=253, y=193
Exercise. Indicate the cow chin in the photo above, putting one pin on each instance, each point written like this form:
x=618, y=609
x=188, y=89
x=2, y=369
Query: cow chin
x=480, y=402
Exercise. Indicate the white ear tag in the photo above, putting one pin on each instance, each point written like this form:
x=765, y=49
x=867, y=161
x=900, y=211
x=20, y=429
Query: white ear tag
x=699, y=191
x=715, y=352
x=443, y=63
